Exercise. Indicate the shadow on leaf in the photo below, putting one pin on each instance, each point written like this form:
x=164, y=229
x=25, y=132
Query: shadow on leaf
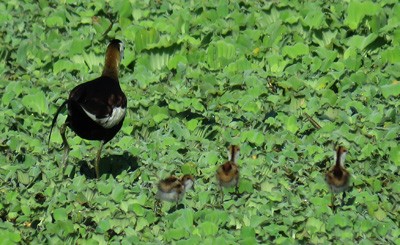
x=110, y=164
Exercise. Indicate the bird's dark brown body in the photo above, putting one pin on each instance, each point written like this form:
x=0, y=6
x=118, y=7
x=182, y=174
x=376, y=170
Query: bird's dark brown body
x=228, y=173
x=100, y=96
x=96, y=109
x=338, y=178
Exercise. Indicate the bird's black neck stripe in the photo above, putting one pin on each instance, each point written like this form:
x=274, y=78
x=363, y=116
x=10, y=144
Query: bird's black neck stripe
x=338, y=156
x=233, y=154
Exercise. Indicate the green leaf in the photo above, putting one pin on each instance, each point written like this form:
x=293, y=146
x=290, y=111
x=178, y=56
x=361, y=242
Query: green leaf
x=105, y=188
x=390, y=55
x=158, y=113
x=380, y=214
x=276, y=63
x=395, y=155
x=292, y=125
x=267, y=186
x=144, y=38
x=158, y=60
x=211, y=157
x=217, y=216
x=275, y=196
x=141, y=223
x=23, y=48
x=177, y=60
x=247, y=232
x=296, y=50
x=118, y=193
x=248, y=103
x=81, y=198
x=314, y=226
x=361, y=42
x=253, y=136
x=10, y=237
x=315, y=17
x=63, y=65
x=185, y=220
x=197, y=104
x=175, y=234
x=329, y=96
x=77, y=47
x=122, y=7
x=103, y=226
x=246, y=186
x=391, y=89
x=357, y=10
x=60, y=214
x=338, y=221
x=54, y=21
x=159, y=117
x=220, y=54
x=292, y=83
x=23, y=178
x=36, y=102
x=366, y=225
x=101, y=25
x=274, y=229
x=377, y=186
x=208, y=228
x=129, y=56
x=12, y=90
x=26, y=210
x=192, y=124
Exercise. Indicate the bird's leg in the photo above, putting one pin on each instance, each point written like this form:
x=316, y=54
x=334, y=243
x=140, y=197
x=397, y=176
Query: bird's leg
x=237, y=189
x=97, y=160
x=343, y=197
x=157, y=207
x=221, y=192
x=333, y=202
x=179, y=197
x=65, y=145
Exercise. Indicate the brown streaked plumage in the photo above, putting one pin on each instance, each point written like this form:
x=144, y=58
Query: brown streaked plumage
x=96, y=109
x=338, y=178
x=228, y=173
x=173, y=189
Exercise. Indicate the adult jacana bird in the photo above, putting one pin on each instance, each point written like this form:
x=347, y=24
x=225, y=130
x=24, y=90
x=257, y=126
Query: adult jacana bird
x=96, y=109
x=228, y=173
x=338, y=178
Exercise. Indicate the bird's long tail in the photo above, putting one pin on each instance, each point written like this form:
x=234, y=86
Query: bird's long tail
x=55, y=119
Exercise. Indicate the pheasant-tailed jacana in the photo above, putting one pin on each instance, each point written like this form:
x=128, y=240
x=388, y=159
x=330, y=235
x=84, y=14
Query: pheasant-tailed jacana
x=96, y=109
x=172, y=189
x=338, y=178
x=228, y=173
